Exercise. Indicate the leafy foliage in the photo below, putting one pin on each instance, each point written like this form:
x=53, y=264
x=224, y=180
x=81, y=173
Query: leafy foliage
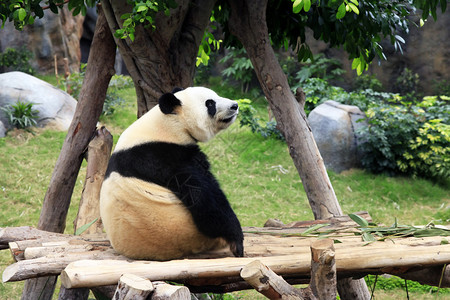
x=24, y=12
x=21, y=115
x=240, y=69
x=411, y=139
x=143, y=12
x=73, y=83
x=17, y=60
x=247, y=118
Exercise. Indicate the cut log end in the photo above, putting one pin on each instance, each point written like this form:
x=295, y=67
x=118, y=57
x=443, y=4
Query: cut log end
x=133, y=287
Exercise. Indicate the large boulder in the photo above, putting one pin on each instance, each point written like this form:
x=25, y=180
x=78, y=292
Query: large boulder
x=56, y=108
x=334, y=127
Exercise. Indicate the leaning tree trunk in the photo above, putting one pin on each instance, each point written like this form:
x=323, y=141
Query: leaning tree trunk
x=248, y=24
x=99, y=70
x=159, y=60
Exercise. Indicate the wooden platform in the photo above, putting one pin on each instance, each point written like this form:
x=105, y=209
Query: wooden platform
x=89, y=261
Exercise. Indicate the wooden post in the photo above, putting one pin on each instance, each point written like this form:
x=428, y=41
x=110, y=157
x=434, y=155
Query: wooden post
x=133, y=287
x=323, y=269
x=164, y=291
x=99, y=151
x=266, y=282
x=99, y=70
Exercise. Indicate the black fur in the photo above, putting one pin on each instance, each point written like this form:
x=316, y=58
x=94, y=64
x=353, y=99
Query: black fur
x=168, y=102
x=177, y=89
x=211, y=105
x=185, y=171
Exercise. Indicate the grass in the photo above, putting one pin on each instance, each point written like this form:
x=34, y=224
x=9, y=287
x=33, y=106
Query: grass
x=257, y=175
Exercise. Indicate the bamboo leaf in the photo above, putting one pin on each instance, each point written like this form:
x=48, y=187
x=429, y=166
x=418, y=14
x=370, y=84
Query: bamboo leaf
x=359, y=220
x=314, y=228
x=85, y=227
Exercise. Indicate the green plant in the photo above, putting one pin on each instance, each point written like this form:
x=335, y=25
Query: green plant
x=73, y=83
x=241, y=68
x=407, y=84
x=21, y=115
x=409, y=139
x=365, y=81
x=247, y=118
x=17, y=60
x=320, y=67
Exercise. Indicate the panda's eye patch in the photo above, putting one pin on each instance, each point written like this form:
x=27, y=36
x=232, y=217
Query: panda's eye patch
x=211, y=106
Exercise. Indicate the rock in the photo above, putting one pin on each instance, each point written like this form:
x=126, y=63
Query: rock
x=2, y=130
x=334, y=128
x=56, y=108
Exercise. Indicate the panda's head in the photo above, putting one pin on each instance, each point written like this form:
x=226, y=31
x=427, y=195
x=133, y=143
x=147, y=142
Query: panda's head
x=199, y=111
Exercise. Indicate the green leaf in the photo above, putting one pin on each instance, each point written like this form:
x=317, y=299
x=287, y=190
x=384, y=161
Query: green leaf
x=297, y=6
x=307, y=5
x=85, y=227
x=142, y=8
x=359, y=220
x=354, y=8
x=22, y=13
x=314, y=228
x=341, y=11
x=368, y=237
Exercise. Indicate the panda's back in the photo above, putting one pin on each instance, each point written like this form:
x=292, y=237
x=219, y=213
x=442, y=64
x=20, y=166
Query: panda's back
x=143, y=216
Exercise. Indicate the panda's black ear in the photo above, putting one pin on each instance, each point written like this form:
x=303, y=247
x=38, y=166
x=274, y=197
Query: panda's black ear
x=177, y=89
x=168, y=102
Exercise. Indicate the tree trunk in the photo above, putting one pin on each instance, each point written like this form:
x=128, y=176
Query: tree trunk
x=248, y=24
x=159, y=60
x=99, y=70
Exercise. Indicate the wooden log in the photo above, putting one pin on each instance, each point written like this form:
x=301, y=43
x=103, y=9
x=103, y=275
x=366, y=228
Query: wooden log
x=133, y=287
x=323, y=270
x=164, y=291
x=13, y=234
x=52, y=264
x=67, y=242
x=266, y=282
x=435, y=276
x=73, y=294
x=99, y=151
x=87, y=273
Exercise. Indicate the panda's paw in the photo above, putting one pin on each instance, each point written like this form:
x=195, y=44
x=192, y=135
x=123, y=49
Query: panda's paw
x=237, y=248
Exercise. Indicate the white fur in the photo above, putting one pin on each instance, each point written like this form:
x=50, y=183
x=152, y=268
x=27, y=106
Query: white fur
x=189, y=124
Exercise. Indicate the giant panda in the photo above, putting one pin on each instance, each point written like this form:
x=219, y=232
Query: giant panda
x=159, y=200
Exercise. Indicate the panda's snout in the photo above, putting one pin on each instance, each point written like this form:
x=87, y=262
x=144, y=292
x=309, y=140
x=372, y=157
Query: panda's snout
x=235, y=106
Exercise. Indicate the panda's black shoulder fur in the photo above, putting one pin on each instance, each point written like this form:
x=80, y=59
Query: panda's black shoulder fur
x=184, y=170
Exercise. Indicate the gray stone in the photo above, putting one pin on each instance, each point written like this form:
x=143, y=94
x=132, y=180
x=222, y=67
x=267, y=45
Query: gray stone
x=56, y=108
x=2, y=130
x=334, y=128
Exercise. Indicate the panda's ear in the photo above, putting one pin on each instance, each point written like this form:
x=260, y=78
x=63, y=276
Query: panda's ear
x=168, y=102
x=177, y=89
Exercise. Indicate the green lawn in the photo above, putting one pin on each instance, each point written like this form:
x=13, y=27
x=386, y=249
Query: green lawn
x=257, y=175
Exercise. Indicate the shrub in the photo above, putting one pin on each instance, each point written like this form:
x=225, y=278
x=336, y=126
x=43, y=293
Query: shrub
x=365, y=81
x=73, y=83
x=17, y=60
x=241, y=68
x=409, y=139
x=247, y=118
x=21, y=115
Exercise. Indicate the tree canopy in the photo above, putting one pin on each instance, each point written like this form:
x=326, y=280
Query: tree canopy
x=357, y=26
